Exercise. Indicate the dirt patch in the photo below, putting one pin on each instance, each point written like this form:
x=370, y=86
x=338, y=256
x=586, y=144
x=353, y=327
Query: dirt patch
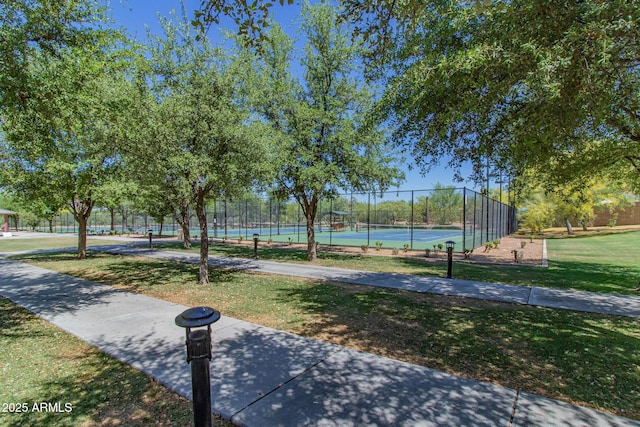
x=530, y=250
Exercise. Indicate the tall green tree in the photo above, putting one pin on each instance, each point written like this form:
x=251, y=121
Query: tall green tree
x=202, y=140
x=62, y=96
x=325, y=140
x=64, y=141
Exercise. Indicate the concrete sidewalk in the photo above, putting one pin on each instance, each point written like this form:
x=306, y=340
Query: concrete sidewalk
x=619, y=305
x=264, y=377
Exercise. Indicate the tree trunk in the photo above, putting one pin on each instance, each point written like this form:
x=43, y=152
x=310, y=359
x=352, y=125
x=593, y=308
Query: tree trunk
x=82, y=237
x=204, y=239
x=569, y=227
x=183, y=220
x=112, y=211
x=310, y=210
x=50, y=225
x=81, y=213
x=161, y=226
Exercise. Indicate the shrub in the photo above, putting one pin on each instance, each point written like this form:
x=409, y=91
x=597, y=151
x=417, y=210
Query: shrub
x=395, y=251
x=406, y=247
x=517, y=255
x=378, y=246
x=364, y=248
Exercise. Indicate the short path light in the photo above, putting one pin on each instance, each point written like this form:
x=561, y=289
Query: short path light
x=450, y=244
x=150, y=239
x=199, y=352
x=256, y=237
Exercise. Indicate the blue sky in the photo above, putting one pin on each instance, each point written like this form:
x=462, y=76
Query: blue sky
x=135, y=15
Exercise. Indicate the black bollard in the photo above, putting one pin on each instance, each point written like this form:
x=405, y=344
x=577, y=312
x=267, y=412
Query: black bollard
x=199, y=355
x=200, y=377
x=256, y=237
x=450, y=244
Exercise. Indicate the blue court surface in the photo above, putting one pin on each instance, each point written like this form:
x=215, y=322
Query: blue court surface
x=418, y=238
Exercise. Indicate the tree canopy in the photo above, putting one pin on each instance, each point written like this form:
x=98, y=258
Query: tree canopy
x=63, y=103
x=201, y=138
x=524, y=83
x=326, y=142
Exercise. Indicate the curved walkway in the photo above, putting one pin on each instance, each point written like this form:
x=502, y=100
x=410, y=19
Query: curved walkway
x=264, y=377
x=612, y=304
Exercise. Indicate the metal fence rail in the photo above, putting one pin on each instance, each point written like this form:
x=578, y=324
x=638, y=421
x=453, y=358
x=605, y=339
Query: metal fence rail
x=415, y=219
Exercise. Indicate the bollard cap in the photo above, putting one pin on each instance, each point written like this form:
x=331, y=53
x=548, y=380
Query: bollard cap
x=197, y=316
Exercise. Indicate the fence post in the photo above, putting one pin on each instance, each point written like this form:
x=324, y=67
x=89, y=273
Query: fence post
x=464, y=218
x=412, y=219
x=369, y=219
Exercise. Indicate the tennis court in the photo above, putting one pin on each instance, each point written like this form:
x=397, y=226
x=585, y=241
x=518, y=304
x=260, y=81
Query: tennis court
x=419, y=219
x=358, y=235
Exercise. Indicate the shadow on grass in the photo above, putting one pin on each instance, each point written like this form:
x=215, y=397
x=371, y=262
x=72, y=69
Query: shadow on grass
x=68, y=383
x=583, y=358
x=577, y=275
x=130, y=273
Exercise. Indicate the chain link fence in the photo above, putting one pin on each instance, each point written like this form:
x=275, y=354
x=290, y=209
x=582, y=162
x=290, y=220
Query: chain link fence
x=412, y=220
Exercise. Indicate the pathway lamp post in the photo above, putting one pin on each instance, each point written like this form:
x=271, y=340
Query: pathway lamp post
x=450, y=244
x=256, y=237
x=198, y=355
x=150, y=239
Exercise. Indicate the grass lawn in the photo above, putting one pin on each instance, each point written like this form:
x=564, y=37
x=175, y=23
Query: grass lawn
x=601, y=263
x=13, y=244
x=41, y=363
x=586, y=359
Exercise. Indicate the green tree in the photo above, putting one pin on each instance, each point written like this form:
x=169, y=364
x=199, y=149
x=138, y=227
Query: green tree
x=152, y=199
x=325, y=140
x=390, y=212
x=64, y=140
x=538, y=212
x=572, y=204
x=201, y=136
x=524, y=83
x=578, y=204
x=445, y=204
x=115, y=191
